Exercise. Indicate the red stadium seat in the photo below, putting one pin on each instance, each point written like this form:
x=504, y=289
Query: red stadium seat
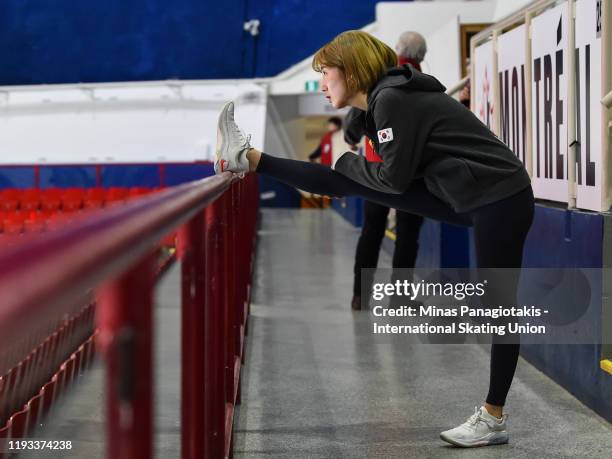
x=56, y=220
x=9, y=199
x=33, y=410
x=116, y=195
x=51, y=199
x=94, y=198
x=138, y=191
x=17, y=424
x=47, y=392
x=14, y=222
x=34, y=225
x=72, y=199
x=29, y=199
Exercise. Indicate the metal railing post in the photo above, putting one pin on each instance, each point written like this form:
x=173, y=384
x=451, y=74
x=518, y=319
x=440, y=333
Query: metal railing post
x=528, y=97
x=190, y=250
x=228, y=310
x=125, y=310
x=214, y=335
x=571, y=105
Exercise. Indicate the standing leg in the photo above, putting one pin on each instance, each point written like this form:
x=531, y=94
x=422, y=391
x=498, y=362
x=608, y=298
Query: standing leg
x=368, y=249
x=500, y=230
x=407, y=239
x=407, y=230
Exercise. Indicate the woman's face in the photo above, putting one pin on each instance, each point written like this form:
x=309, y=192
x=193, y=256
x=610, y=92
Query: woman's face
x=333, y=85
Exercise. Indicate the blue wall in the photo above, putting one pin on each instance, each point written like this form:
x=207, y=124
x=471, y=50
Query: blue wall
x=69, y=41
x=351, y=208
x=277, y=194
x=567, y=239
x=120, y=175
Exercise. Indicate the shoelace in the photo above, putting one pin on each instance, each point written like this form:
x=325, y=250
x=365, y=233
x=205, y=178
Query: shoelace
x=247, y=144
x=476, y=418
x=246, y=138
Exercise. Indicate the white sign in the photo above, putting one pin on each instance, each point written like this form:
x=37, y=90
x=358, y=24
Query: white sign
x=511, y=74
x=589, y=174
x=549, y=104
x=483, y=83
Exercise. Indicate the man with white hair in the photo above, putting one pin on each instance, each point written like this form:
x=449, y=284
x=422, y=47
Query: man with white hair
x=411, y=49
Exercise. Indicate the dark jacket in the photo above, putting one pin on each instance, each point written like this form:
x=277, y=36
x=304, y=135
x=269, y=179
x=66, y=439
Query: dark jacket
x=354, y=126
x=433, y=137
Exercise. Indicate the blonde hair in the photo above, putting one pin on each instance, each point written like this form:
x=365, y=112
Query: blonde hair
x=363, y=58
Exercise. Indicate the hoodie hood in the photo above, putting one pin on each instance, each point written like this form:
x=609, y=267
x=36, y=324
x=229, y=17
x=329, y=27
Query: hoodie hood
x=407, y=77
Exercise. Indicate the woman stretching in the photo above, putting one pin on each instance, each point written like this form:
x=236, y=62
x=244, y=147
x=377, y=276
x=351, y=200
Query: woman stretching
x=439, y=161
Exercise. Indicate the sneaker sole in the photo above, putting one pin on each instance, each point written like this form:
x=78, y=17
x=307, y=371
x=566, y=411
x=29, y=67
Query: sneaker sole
x=496, y=439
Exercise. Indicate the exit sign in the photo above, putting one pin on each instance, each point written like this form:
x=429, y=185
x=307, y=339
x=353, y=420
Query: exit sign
x=312, y=86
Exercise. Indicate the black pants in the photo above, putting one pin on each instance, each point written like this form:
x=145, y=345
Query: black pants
x=500, y=230
x=372, y=233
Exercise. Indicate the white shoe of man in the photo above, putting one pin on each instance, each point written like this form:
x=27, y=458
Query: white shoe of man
x=232, y=144
x=481, y=429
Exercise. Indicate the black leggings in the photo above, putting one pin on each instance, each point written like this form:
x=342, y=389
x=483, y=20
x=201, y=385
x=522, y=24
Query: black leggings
x=499, y=229
x=372, y=233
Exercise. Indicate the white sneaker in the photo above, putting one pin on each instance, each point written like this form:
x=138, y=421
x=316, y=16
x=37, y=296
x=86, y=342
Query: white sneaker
x=481, y=429
x=232, y=144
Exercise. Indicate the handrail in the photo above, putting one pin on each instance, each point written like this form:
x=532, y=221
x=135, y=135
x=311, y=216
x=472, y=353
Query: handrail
x=458, y=86
x=513, y=18
x=55, y=268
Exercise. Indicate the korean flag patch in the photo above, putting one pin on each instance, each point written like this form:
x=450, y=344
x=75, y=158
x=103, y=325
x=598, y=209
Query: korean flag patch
x=385, y=135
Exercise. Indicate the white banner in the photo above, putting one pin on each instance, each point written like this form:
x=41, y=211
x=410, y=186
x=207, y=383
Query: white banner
x=511, y=74
x=132, y=122
x=483, y=83
x=549, y=104
x=589, y=174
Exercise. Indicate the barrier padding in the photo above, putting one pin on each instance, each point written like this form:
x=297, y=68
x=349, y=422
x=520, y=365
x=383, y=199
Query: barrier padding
x=351, y=208
x=128, y=175
x=17, y=177
x=277, y=194
x=561, y=238
x=429, y=253
x=67, y=177
x=175, y=174
x=440, y=245
x=116, y=175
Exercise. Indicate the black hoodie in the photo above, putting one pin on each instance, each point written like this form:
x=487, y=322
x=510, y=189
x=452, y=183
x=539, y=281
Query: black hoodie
x=420, y=132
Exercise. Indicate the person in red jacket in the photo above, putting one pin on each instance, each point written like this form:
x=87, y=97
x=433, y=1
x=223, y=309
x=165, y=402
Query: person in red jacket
x=324, y=150
x=411, y=49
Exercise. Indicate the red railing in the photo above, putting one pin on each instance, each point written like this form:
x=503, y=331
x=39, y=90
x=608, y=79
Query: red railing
x=113, y=253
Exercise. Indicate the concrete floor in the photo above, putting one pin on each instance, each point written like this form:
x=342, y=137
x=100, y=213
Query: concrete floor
x=316, y=385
